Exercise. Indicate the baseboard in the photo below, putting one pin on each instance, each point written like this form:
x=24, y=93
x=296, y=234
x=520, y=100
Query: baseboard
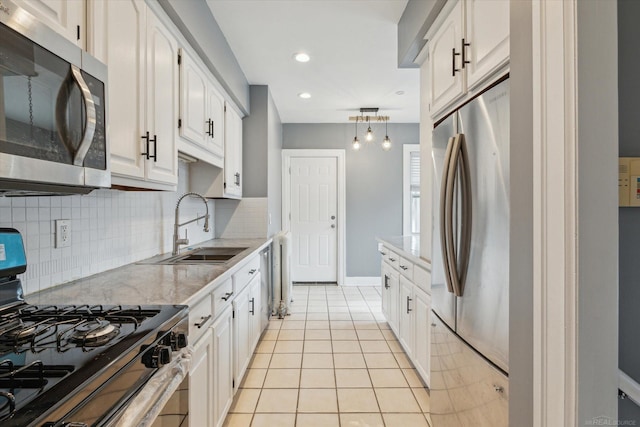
x=362, y=281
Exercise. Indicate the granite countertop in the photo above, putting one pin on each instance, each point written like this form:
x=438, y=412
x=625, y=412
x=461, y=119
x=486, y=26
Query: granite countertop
x=140, y=283
x=407, y=246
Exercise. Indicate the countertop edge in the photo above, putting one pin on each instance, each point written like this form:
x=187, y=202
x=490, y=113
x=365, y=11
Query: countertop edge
x=393, y=243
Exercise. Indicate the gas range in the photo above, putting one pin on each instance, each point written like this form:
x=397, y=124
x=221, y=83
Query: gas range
x=77, y=365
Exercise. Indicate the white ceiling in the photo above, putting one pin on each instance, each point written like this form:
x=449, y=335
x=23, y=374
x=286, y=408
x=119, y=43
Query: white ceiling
x=353, y=49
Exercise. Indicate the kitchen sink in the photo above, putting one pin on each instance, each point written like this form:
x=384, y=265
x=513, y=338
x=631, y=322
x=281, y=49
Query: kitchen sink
x=204, y=255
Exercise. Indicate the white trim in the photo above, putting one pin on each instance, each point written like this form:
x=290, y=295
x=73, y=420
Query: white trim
x=629, y=387
x=554, y=213
x=362, y=281
x=407, y=149
x=287, y=154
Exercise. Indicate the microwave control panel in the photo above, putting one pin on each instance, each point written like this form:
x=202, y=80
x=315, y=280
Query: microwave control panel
x=629, y=181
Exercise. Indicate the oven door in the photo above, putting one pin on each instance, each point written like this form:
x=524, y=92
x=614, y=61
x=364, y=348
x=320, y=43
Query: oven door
x=52, y=111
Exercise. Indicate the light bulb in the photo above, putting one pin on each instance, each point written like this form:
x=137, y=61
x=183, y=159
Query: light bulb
x=369, y=135
x=355, y=144
x=386, y=143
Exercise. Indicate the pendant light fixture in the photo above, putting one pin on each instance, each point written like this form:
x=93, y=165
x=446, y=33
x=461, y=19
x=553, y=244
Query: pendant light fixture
x=368, y=137
x=356, y=142
x=386, y=142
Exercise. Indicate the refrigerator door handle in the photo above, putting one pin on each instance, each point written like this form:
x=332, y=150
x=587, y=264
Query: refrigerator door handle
x=443, y=213
x=450, y=238
x=465, y=235
x=458, y=258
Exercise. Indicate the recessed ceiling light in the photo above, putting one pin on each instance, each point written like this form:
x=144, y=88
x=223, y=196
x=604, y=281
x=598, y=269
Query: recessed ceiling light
x=304, y=95
x=301, y=57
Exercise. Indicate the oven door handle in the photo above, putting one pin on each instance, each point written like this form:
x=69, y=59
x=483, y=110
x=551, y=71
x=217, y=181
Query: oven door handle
x=89, y=125
x=145, y=406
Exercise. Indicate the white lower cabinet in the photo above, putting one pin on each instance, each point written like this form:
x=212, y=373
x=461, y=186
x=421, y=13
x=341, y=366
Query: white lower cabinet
x=406, y=317
x=407, y=308
x=222, y=334
x=422, y=333
x=241, y=328
x=200, y=384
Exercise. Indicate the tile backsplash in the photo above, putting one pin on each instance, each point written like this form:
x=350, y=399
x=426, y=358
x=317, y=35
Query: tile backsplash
x=109, y=228
x=239, y=219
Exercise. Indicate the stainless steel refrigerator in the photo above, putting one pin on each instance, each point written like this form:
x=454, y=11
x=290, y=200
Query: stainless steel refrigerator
x=470, y=276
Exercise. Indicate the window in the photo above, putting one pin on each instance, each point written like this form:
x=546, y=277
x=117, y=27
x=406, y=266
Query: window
x=411, y=190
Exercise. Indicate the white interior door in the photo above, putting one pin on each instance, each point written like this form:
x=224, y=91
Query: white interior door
x=314, y=219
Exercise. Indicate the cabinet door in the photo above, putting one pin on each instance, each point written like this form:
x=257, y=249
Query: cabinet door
x=215, y=104
x=222, y=367
x=200, y=382
x=394, y=297
x=447, y=84
x=119, y=41
x=233, y=153
x=162, y=101
x=194, y=96
x=254, y=306
x=487, y=32
x=66, y=17
x=422, y=329
x=241, y=332
x=407, y=307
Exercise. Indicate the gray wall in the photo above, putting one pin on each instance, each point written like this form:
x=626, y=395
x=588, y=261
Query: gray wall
x=629, y=218
x=521, y=227
x=597, y=198
x=373, y=185
x=254, y=144
x=274, y=172
x=262, y=158
x=196, y=22
x=416, y=19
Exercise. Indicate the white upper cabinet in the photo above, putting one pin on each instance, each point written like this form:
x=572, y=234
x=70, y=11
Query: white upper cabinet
x=487, y=32
x=233, y=154
x=201, y=113
x=447, y=79
x=469, y=44
x=66, y=17
x=141, y=54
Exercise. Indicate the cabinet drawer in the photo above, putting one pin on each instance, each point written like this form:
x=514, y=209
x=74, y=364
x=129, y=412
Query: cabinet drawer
x=242, y=277
x=422, y=279
x=200, y=318
x=392, y=258
x=406, y=268
x=222, y=296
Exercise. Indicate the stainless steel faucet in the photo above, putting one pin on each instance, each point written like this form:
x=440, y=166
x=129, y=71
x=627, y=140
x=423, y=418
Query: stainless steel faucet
x=177, y=242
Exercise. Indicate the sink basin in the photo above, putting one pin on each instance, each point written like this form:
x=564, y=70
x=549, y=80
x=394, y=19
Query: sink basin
x=205, y=255
x=208, y=256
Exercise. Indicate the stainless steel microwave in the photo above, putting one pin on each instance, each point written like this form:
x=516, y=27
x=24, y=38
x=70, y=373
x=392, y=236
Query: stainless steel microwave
x=52, y=110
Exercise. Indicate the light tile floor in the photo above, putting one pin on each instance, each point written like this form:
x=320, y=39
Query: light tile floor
x=332, y=362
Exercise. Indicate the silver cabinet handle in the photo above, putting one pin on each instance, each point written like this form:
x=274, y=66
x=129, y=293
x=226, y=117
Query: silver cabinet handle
x=253, y=307
x=408, y=301
x=227, y=296
x=203, y=320
x=253, y=270
x=386, y=282
x=392, y=259
x=404, y=267
x=383, y=253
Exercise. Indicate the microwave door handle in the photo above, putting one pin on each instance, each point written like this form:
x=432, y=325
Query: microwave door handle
x=90, y=123
x=443, y=214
